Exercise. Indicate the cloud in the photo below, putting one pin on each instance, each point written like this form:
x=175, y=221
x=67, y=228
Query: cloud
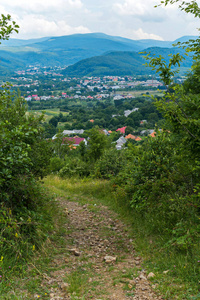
x=44, y=6
x=46, y=17
x=140, y=9
x=32, y=26
x=140, y=34
x=128, y=18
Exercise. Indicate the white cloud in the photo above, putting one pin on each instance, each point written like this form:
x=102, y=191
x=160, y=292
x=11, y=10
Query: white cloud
x=140, y=34
x=42, y=6
x=144, y=8
x=33, y=26
x=115, y=17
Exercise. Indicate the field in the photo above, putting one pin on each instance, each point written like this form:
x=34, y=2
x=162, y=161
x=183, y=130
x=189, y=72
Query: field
x=140, y=93
x=48, y=113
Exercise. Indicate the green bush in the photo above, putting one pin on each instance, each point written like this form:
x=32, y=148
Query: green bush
x=159, y=180
x=75, y=167
x=22, y=229
x=56, y=163
x=109, y=164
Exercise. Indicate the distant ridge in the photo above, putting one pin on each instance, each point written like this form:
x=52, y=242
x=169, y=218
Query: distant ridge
x=70, y=49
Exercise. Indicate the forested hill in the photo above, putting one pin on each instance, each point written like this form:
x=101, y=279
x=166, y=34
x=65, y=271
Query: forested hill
x=68, y=50
x=121, y=63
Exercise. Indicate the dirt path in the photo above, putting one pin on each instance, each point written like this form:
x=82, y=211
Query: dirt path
x=99, y=261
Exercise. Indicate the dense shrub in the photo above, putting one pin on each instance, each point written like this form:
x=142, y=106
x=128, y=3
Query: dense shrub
x=22, y=229
x=75, y=167
x=24, y=154
x=109, y=164
x=56, y=163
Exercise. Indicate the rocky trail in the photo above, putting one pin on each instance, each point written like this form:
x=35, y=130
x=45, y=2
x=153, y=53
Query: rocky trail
x=99, y=261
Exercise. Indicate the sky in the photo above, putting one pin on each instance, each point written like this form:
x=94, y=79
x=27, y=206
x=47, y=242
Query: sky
x=134, y=19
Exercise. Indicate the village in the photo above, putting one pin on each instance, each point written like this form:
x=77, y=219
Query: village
x=42, y=83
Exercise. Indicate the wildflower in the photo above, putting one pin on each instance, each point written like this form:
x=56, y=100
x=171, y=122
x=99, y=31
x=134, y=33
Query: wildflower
x=1, y=259
x=16, y=234
x=33, y=247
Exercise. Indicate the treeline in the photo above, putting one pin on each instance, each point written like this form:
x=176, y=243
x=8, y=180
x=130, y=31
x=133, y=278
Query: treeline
x=107, y=115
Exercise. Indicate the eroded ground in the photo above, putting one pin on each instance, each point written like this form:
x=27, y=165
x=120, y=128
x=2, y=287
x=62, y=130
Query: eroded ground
x=99, y=261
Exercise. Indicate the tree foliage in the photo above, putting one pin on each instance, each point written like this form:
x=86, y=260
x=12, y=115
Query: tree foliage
x=191, y=7
x=24, y=154
x=7, y=27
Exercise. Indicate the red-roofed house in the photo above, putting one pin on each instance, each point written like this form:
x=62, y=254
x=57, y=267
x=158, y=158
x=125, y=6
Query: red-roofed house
x=130, y=136
x=138, y=139
x=153, y=134
x=122, y=130
x=75, y=141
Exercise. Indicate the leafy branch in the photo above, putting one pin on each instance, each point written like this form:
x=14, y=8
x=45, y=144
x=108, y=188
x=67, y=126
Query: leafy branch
x=188, y=7
x=7, y=27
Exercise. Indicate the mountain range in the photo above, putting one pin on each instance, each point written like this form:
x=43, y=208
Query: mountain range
x=69, y=50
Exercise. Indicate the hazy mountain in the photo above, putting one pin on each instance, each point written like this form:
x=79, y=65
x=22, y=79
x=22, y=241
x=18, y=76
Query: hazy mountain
x=19, y=42
x=68, y=50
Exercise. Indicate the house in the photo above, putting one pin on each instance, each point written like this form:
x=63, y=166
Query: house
x=69, y=132
x=75, y=141
x=135, y=138
x=146, y=132
x=153, y=134
x=122, y=130
x=105, y=131
x=120, y=142
x=142, y=122
x=128, y=112
x=118, y=97
x=138, y=139
x=130, y=136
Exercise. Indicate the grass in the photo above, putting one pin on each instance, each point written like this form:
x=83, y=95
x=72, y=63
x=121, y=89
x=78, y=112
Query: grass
x=182, y=280
x=22, y=276
x=138, y=93
x=48, y=113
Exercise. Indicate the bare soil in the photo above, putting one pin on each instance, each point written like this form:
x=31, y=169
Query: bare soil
x=83, y=270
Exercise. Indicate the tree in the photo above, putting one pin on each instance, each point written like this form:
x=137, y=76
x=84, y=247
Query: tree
x=61, y=145
x=181, y=105
x=24, y=154
x=54, y=121
x=97, y=143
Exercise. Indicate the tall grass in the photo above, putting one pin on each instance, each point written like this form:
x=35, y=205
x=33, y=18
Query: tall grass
x=180, y=279
x=26, y=236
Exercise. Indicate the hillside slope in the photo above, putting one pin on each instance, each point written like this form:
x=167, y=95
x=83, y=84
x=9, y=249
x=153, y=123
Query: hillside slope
x=120, y=63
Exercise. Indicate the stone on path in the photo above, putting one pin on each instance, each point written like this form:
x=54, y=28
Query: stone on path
x=151, y=275
x=109, y=259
